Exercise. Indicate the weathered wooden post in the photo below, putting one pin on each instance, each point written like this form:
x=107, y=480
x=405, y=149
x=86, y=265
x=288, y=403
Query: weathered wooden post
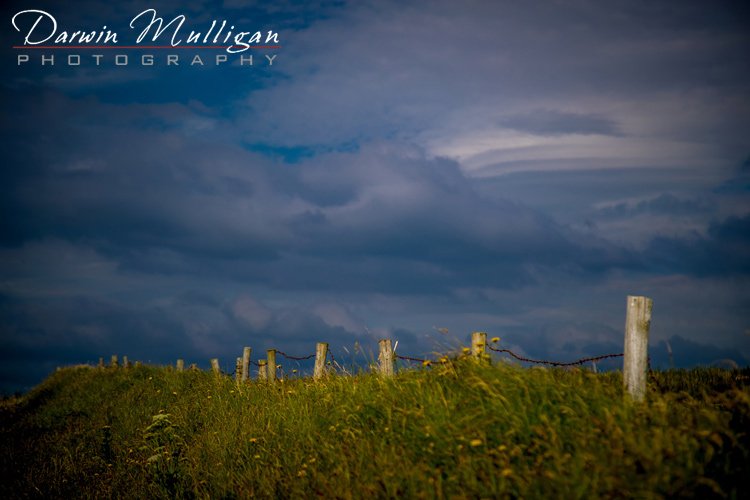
x=238, y=370
x=246, y=363
x=113, y=361
x=262, y=370
x=180, y=365
x=478, y=345
x=215, y=366
x=635, y=362
x=125, y=362
x=386, y=359
x=271, y=367
x=321, y=353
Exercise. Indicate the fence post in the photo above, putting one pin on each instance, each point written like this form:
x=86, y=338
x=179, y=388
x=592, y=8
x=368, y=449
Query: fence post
x=101, y=362
x=125, y=363
x=215, y=366
x=113, y=361
x=271, y=367
x=262, y=370
x=238, y=370
x=386, y=358
x=321, y=353
x=246, y=363
x=478, y=345
x=635, y=362
x=180, y=365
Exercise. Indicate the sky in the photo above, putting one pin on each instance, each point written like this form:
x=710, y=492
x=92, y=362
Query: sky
x=416, y=170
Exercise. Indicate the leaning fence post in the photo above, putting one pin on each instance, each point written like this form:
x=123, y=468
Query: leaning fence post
x=262, y=371
x=478, y=345
x=635, y=362
x=386, y=358
x=113, y=361
x=246, y=363
x=271, y=367
x=180, y=365
x=215, y=366
x=321, y=353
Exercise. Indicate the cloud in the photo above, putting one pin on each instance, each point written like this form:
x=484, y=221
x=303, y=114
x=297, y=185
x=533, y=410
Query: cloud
x=551, y=122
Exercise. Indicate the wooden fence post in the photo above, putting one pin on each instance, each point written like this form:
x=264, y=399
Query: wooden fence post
x=113, y=361
x=125, y=362
x=321, y=353
x=478, y=345
x=271, y=367
x=246, y=363
x=215, y=366
x=635, y=362
x=386, y=359
x=180, y=365
x=238, y=370
x=262, y=370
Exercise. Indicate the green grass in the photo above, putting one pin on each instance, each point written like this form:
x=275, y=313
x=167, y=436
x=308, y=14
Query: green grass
x=461, y=430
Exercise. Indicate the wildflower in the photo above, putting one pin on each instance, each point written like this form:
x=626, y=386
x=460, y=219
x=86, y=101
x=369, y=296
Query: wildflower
x=253, y=440
x=294, y=371
x=507, y=472
x=209, y=396
x=466, y=350
x=256, y=456
x=495, y=340
x=475, y=442
x=301, y=473
x=443, y=359
x=426, y=362
x=175, y=393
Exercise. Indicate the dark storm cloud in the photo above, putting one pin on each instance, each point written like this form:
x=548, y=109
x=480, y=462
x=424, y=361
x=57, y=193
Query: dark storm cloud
x=723, y=251
x=393, y=217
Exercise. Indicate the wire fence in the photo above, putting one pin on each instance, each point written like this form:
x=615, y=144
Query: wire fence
x=636, y=365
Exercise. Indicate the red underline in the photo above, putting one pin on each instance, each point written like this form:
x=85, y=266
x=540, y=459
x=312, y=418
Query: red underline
x=146, y=47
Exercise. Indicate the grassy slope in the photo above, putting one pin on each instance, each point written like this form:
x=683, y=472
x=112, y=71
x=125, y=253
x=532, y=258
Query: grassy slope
x=461, y=430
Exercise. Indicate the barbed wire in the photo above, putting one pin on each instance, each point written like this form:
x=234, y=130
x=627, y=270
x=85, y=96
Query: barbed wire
x=411, y=358
x=295, y=358
x=555, y=363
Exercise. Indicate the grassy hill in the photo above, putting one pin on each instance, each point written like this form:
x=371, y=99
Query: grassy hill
x=460, y=430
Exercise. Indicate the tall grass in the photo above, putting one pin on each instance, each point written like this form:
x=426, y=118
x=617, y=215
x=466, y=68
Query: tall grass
x=461, y=430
